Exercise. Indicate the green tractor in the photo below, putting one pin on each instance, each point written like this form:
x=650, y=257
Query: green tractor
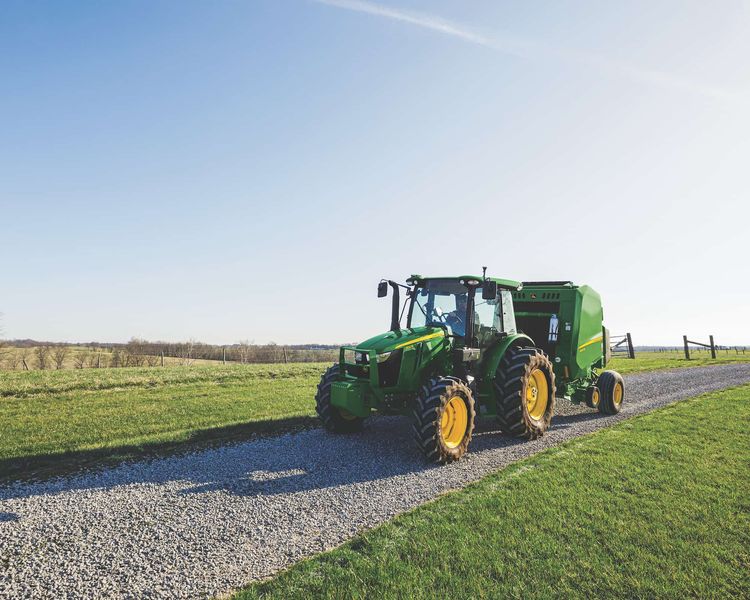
x=473, y=345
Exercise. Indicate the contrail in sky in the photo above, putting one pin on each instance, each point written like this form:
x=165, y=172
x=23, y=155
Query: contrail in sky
x=531, y=49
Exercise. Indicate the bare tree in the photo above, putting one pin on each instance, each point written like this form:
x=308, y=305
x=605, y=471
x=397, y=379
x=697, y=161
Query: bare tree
x=12, y=360
x=93, y=359
x=152, y=360
x=243, y=351
x=135, y=351
x=41, y=353
x=59, y=354
x=80, y=359
x=22, y=355
x=115, y=360
x=3, y=346
x=185, y=352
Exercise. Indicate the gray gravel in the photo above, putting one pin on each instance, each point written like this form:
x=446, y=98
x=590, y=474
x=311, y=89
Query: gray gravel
x=204, y=523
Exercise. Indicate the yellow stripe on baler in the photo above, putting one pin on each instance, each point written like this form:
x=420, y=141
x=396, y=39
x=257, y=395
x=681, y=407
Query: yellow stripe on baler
x=596, y=339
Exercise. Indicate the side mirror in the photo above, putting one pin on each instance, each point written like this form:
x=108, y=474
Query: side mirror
x=489, y=290
x=382, y=289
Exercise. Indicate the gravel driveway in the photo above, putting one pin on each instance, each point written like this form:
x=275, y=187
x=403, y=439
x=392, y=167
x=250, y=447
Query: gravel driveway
x=205, y=523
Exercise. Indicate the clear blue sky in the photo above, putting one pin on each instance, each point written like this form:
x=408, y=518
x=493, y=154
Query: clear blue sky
x=250, y=170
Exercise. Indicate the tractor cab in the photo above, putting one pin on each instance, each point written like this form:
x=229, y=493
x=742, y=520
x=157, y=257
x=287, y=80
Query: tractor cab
x=474, y=311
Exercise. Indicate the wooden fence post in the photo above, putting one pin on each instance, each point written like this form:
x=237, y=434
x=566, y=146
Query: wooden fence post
x=631, y=352
x=162, y=358
x=713, y=347
x=687, y=350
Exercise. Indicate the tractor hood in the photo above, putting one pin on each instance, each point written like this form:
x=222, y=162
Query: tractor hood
x=385, y=342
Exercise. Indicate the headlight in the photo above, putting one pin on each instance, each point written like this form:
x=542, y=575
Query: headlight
x=383, y=357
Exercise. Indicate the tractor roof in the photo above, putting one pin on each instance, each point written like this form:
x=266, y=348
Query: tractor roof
x=506, y=284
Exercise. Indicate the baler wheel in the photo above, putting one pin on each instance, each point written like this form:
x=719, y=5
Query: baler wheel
x=612, y=392
x=593, y=397
x=334, y=418
x=443, y=419
x=525, y=392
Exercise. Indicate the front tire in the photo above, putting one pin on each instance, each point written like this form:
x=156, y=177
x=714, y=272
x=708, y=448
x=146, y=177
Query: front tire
x=612, y=392
x=443, y=419
x=525, y=392
x=335, y=419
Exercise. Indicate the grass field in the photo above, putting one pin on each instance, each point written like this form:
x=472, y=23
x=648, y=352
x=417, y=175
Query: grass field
x=649, y=361
x=655, y=507
x=53, y=421
x=59, y=419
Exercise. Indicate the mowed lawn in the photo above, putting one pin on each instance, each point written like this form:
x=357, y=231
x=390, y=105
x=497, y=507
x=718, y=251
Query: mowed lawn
x=62, y=418
x=654, y=507
x=650, y=361
x=47, y=414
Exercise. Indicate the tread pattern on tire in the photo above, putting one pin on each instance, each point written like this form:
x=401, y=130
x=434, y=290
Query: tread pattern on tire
x=428, y=406
x=606, y=384
x=329, y=414
x=510, y=392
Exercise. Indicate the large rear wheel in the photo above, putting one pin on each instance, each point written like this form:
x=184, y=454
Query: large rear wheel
x=443, y=419
x=335, y=419
x=612, y=392
x=525, y=392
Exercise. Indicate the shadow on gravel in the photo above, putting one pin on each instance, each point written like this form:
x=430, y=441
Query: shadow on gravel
x=46, y=466
x=321, y=460
x=301, y=461
x=6, y=517
x=565, y=421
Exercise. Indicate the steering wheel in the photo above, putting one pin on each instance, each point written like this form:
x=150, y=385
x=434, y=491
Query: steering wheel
x=438, y=312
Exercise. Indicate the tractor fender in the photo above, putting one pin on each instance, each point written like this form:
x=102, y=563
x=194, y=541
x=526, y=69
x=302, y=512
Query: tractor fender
x=492, y=357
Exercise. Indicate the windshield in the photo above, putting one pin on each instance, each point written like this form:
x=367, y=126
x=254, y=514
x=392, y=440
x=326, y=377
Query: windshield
x=442, y=303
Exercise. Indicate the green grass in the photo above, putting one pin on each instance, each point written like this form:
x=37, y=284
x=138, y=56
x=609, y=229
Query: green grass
x=655, y=507
x=650, y=361
x=56, y=421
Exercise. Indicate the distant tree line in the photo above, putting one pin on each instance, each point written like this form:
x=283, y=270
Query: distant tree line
x=32, y=354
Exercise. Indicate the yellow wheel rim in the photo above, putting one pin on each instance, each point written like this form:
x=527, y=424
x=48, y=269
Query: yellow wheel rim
x=454, y=421
x=537, y=394
x=617, y=394
x=595, y=397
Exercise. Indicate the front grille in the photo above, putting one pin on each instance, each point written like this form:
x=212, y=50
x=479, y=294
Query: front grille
x=389, y=369
x=357, y=371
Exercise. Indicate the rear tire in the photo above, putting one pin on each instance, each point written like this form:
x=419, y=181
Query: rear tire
x=443, y=419
x=335, y=419
x=612, y=389
x=525, y=392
